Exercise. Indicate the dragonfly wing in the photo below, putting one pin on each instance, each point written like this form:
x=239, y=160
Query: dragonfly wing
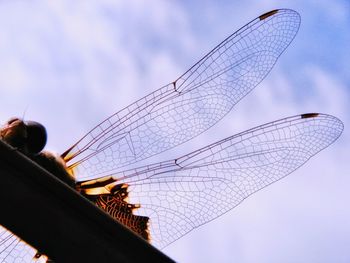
x=190, y=105
x=13, y=249
x=181, y=195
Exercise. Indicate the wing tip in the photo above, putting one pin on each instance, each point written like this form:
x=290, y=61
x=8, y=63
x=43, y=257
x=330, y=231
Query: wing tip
x=335, y=123
x=268, y=14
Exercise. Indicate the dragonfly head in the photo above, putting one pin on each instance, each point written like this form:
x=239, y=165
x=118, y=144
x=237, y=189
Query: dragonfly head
x=28, y=136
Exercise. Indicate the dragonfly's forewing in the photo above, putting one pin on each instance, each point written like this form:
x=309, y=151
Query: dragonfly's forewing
x=190, y=105
x=180, y=195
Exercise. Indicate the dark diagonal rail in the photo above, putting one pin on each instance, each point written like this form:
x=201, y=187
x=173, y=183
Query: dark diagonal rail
x=58, y=221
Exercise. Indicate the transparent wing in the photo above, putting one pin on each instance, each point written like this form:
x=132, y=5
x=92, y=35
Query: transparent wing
x=13, y=249
x=190, y=105
x=182, y=194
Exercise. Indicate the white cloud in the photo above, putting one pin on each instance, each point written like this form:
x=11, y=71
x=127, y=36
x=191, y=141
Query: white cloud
x=330, y=93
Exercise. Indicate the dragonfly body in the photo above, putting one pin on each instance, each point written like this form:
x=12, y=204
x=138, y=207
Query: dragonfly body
x=113, y=200
x=164, y=201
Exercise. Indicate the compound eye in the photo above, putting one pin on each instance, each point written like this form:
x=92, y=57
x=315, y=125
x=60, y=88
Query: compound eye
x=36, y=137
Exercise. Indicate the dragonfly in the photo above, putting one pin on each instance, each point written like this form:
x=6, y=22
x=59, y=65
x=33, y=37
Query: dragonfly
x=169, y=199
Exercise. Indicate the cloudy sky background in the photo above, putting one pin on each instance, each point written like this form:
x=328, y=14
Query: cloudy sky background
x=70, y=64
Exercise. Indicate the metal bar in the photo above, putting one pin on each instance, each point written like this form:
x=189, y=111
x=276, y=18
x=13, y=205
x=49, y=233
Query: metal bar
x=58, y=221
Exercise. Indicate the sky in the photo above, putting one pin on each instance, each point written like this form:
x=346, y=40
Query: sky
x=70, y=64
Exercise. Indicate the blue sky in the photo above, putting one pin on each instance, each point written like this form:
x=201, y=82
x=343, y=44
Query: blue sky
x=69, y=65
